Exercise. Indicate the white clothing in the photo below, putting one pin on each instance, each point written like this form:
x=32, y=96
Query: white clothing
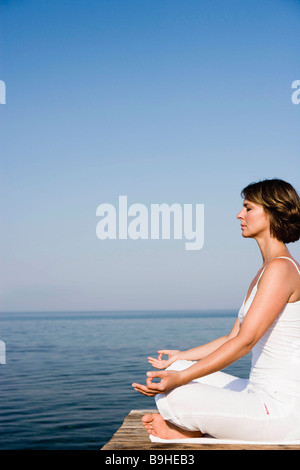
x=276, y=357
x=265, y=407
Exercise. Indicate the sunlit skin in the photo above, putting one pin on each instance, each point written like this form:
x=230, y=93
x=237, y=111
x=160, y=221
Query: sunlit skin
x=279, y=284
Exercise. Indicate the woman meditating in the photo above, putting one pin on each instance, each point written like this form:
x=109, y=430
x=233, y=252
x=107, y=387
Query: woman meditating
x=194, y=397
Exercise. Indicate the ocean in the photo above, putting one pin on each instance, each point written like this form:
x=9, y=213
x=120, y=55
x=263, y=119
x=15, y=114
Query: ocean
x=66, y=381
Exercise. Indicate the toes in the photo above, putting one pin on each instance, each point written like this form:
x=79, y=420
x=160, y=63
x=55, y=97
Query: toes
x=148, y=418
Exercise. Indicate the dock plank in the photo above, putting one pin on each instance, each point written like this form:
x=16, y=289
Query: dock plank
x=133, y=436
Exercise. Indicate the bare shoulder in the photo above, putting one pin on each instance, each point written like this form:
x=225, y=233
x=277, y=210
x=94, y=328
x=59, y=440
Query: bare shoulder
x=282, y=274
x=283, y=264
x=276, y=270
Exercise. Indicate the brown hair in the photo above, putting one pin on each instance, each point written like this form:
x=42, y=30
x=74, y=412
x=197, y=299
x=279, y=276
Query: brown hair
x=282, y=202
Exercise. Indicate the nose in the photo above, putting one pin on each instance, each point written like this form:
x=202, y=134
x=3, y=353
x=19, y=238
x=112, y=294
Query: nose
x=240, y=215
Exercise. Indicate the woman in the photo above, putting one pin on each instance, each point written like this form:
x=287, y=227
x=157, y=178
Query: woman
x=194, y=397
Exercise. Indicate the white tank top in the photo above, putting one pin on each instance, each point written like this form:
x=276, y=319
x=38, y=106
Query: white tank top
x=276, y=356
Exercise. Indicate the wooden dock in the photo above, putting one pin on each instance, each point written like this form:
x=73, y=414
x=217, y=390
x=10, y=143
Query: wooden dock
x=133, y=436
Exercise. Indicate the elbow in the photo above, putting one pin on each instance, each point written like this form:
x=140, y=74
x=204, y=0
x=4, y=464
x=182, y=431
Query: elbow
x=246, y=343
x=248, y=348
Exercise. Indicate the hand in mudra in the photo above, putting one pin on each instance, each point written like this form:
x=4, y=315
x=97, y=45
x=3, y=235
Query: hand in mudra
x=161, y=363
x=169, y=379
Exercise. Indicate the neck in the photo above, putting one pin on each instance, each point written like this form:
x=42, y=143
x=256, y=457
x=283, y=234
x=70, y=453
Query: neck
x=271, y=248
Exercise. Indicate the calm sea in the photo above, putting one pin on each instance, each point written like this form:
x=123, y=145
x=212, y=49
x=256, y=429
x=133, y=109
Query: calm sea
x=66, y=384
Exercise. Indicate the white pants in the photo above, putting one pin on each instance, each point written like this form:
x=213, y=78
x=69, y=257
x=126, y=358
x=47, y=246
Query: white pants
x=224, y=406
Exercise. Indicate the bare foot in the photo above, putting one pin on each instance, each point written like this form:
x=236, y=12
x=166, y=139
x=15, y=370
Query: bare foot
x=158, y=427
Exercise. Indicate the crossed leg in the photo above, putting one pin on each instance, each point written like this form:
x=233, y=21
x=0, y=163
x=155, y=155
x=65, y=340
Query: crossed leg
x=156, y=425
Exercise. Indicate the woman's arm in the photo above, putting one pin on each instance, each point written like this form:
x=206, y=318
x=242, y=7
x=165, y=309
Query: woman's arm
x=273, y=293
x=194, y=354
x=171, y=379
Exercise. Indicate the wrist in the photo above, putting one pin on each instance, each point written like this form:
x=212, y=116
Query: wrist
x=187, y=375
x=178, y=356
x=183, y=377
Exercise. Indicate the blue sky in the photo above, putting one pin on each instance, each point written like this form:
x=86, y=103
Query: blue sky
x=163, y=101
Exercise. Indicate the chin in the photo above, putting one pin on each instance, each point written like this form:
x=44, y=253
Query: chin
x=246, y=235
